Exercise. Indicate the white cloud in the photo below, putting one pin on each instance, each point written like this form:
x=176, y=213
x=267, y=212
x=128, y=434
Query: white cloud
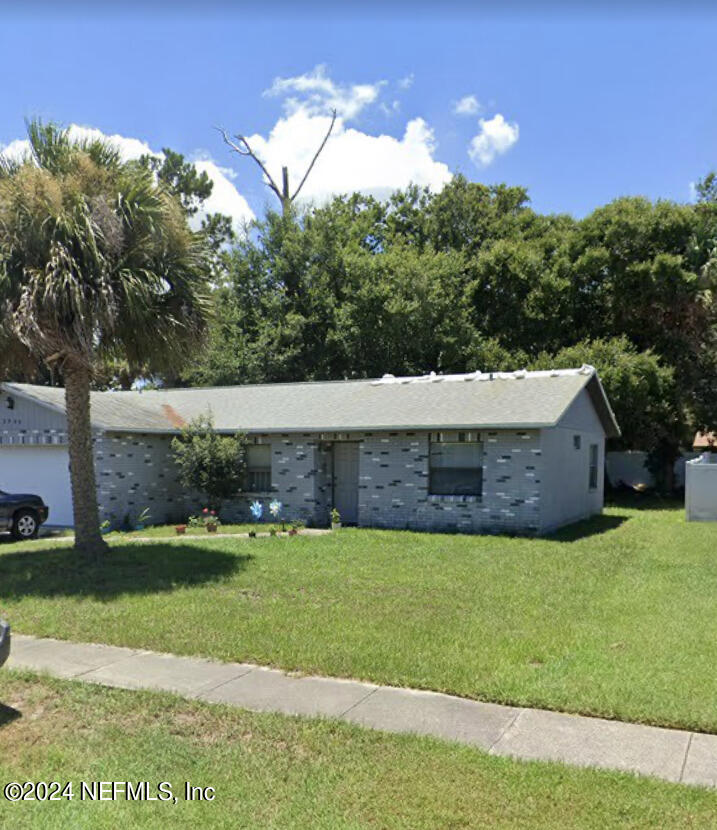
x=129, y=148
x=467, y=105
x=352, y=160
x=390, y=109
x=319, y=94
x=495, y=137
x=224, y=198
x=16, y=150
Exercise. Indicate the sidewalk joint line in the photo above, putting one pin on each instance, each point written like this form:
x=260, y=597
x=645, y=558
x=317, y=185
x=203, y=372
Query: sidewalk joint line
x=507, y=729
x=209, y=688
x=359, y=702
x=102, y=666
x=687, y=752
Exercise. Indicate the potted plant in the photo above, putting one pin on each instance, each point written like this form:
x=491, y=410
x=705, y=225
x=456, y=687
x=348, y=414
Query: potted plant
x=143, y=519
x=256, y=509
x=105, y=527
x=272, y=531
x=335, y=519
x=211, y=520
x=180, y=529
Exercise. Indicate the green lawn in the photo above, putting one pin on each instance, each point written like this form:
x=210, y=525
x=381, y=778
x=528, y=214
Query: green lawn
x=614, y=617
x=271, y=771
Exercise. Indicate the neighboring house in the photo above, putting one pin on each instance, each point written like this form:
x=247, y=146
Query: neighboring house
x=705, y=441
x=519, y=452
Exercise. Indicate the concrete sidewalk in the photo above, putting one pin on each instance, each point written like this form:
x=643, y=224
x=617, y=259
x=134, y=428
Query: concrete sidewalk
x=671, y=754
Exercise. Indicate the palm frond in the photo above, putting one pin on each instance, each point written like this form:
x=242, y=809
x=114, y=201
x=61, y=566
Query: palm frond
x=96, y=257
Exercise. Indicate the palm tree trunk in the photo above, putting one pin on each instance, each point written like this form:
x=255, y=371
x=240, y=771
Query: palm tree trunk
x=88, y=538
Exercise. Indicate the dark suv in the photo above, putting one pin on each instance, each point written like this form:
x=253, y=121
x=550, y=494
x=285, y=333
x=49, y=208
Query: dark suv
x=22, y=514
x=4, y=641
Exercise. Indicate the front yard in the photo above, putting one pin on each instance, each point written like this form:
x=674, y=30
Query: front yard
x=272, y=771
x=615, y=617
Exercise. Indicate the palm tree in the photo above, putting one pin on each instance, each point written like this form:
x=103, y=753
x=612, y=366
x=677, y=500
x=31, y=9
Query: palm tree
x=97, y=263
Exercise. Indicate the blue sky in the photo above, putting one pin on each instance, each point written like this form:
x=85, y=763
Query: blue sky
x=578, y=110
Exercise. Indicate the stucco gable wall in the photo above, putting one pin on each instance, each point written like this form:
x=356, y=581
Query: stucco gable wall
x=29, y=423
x=567, y=497
x=581, y=416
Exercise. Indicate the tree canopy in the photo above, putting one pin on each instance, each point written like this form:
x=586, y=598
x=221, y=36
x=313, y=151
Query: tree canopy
x=469, y=278
x=473, y=278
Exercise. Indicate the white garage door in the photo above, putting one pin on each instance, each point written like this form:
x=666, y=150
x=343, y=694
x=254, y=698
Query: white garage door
x=43, y=471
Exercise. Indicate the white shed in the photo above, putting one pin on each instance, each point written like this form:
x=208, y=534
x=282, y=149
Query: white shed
x=701, y=488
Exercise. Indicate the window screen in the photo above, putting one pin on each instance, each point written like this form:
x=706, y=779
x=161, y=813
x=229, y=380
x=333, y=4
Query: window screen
x=456, y=468
x=593, y=479
x=258, y=468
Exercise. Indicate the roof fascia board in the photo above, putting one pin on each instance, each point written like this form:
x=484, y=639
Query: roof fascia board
x=364, y=428
x=604, y=410
x=600, y=404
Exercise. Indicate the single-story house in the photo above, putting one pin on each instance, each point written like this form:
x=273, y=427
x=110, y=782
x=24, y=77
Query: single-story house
x=517, y=452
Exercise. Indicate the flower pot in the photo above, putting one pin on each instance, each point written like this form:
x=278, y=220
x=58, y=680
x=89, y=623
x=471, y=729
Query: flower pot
x=335, y=525
x=181, y=530
x=211, y=528
x=139, y=527
x=293, y=531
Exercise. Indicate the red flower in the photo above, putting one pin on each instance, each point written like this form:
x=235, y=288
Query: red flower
x=213, y=513
x=206, y=510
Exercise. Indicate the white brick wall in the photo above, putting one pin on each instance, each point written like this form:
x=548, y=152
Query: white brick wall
x=393, y=485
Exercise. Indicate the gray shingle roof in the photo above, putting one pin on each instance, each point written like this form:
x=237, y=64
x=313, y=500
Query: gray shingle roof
x=533, y=399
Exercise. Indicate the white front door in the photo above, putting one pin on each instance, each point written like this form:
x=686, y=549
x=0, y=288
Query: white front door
x=346, y=473
x=40, y=470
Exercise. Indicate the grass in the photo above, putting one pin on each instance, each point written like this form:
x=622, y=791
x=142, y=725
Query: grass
x=271, y=771
x=615, y=617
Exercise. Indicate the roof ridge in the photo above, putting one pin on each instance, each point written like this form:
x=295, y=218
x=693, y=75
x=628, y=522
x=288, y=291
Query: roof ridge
x=518, y=374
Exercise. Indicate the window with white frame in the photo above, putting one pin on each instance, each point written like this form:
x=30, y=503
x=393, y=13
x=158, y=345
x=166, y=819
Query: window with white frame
x=455, y=468
x=593, y=476
x=258, y=468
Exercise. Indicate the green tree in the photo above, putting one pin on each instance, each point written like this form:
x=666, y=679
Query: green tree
x=465, y=216
x=96, y=263
x=706, y=188
x=181, y=178
x=210, y=463
x=641, y=389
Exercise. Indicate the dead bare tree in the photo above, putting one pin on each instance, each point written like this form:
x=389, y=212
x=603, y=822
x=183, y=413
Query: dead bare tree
x=239, y=144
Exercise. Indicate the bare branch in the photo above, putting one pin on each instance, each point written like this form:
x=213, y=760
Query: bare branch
x=243, y=149
x=318, y=153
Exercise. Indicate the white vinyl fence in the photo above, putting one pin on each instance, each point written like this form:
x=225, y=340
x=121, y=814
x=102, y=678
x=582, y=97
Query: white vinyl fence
x=701, y=489
x=629, y=468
